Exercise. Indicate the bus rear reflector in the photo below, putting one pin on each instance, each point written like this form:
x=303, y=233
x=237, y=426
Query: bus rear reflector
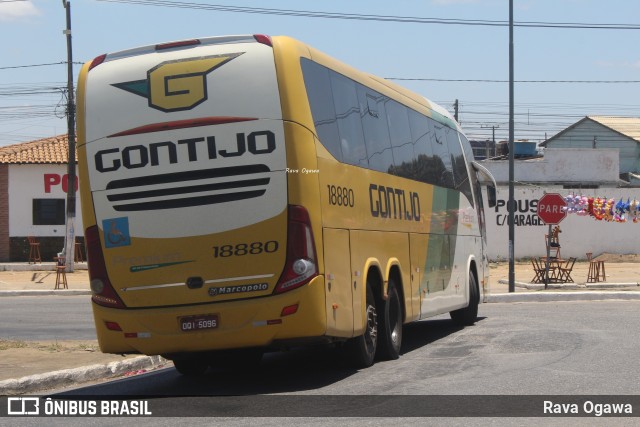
x=289, y=310
x=113, y=326
x=302, y=264
x=103, y=292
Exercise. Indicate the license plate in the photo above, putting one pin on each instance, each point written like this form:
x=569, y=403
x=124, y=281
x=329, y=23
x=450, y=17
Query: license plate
x=198, y=323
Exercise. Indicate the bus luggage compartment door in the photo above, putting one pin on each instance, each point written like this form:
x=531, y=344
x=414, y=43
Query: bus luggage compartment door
x=339, y=291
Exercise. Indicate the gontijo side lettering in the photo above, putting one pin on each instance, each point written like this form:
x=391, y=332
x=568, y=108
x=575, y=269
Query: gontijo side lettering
x=393, y=203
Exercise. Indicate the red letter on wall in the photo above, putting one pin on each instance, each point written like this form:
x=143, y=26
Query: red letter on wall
x=49, y=180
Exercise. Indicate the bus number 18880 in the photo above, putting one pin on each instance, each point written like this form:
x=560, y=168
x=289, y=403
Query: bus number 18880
x=341, y=196
x=240, y=249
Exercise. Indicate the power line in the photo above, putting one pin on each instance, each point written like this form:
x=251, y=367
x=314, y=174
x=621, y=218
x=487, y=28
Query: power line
x=38, y=65
x=515, y=81
x=378, y=18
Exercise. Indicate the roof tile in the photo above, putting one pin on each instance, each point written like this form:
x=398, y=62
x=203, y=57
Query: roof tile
x=53, y=150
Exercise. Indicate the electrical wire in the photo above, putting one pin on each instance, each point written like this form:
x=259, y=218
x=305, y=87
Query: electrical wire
x=379, y=18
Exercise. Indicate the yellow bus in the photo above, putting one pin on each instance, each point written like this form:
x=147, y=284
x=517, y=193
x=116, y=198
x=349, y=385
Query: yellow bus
x=250, y=193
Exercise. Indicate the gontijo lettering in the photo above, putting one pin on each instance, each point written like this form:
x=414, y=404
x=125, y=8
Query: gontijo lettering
x=139, y=156
x=394, y=203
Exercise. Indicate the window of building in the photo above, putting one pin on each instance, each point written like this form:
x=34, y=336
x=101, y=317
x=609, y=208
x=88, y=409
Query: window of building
x=48, y=211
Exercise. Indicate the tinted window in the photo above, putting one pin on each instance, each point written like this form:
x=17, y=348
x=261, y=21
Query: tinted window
x=318, y=84
x=345, y=100
x=359, y=126
x=400, y=133
x=441, y=152
x=376, y=132
x=460, y=174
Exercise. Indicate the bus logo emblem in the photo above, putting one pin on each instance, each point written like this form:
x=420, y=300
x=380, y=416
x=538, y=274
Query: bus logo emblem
x=177, y=85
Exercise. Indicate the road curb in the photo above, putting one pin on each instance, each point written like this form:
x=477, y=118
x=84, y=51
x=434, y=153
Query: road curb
x=563, y=296
x=44, y=292
x=74, y=376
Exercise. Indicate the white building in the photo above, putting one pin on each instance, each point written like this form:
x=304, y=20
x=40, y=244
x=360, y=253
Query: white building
x=619, y=133
x=33, y=192
x=580, y=171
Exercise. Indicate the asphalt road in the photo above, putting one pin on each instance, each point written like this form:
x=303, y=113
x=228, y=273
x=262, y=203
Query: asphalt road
x=47, y=318
x=527, y=351
x=514, y=349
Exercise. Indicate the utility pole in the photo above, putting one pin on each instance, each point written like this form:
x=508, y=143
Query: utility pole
x=455, y=110
x=511, y=204
x=493, y=132
x=69, y=239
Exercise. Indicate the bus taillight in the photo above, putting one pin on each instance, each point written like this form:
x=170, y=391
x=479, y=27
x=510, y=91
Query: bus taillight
x=103, y=292
x=301, y=265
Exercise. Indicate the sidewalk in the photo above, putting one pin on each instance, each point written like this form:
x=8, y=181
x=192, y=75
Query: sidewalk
x=623, y=282
x=29, y=367
x=33, y=366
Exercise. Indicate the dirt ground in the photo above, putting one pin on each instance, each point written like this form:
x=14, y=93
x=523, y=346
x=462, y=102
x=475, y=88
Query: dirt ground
x=618, y=258
x=23, y=358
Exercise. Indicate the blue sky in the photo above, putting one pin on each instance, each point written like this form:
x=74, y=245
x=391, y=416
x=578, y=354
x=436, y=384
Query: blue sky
x=32, y=106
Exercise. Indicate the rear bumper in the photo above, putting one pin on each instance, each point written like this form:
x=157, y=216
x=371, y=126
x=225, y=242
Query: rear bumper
x=247, y=323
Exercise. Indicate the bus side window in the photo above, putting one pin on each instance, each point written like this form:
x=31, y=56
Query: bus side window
x=400, y=132
x=441, y=153
x=422, y=133
x=345, y=99
x=459, y=165
x=374, y=126
x=318, y=85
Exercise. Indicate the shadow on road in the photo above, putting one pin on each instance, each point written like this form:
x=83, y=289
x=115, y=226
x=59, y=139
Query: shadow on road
x=296, y=370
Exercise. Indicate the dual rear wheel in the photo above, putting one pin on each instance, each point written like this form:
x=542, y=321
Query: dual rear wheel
x=382, y=337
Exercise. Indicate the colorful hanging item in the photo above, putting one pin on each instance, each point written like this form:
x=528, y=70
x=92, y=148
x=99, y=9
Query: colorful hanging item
x=603, y=208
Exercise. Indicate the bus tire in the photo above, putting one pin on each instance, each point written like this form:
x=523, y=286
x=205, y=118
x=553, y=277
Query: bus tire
x=467, y=316
x=361, y=351
x=191, y=367
x=390, y=325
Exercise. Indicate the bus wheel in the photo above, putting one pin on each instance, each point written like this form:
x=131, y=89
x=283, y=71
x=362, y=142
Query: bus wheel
x=467, y=316
x=362, y=350
x=391, y=325
x=191, y=367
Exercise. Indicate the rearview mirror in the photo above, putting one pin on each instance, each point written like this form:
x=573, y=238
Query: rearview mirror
x=491, y=196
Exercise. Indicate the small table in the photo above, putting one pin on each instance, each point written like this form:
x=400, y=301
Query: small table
x=554, y=267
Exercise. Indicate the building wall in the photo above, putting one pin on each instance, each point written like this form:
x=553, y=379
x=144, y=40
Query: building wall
x=580, y=234
x=582, y=136
x=4, y=212
x=577, y=165
x=27, y=182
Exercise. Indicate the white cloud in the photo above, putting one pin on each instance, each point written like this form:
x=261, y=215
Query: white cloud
x=16, y=10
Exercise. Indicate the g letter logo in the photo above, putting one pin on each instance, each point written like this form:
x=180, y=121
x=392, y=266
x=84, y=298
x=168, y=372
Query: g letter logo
x=177, y=85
